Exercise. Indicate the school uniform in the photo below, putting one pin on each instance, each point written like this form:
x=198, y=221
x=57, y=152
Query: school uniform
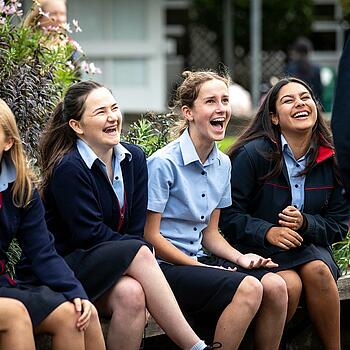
x=256, y=204
x=98, y=224
x=49, y=282
x=186, y=192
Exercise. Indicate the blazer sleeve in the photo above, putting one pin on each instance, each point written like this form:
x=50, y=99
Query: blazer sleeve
x=341, y=116
x=78, y=206
x=236, y=223
x=332, y=225
x=137, y=214
x=37, y=244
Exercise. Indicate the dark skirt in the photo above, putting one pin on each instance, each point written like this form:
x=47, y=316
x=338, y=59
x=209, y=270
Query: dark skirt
x=40, y=301
x=293, y=258
x=202, y=291
x=100, y=267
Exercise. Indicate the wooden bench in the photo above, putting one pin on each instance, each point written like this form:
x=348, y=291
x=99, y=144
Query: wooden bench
x=152, y=329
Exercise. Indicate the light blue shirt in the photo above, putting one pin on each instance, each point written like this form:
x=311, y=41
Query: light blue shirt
x=7, y=174
x=186, y=191
x=294, y=167
x=119, y=153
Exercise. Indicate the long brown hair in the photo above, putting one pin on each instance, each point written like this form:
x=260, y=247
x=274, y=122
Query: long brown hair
x=23, y=186
x=58, y=137
x=188, y=92
x=262, y=126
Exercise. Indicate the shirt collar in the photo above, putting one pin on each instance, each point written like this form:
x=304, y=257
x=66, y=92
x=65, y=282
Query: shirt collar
x=286, y=149
x=8, y=173
x=89, y=156
x=189, y=153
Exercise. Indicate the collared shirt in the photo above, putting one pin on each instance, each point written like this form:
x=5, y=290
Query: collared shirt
x=294, y=167
x=119, y=153
x=186, y=191
x=7, y=174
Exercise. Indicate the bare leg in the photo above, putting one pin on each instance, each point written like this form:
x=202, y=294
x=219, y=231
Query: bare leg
x=93, y=336
x=160, y=300
x=125, y=304
x=61, y=324
x=323, y=304
x=271, y=317
x=294, y=288
x=236, y=317
x=16, y=331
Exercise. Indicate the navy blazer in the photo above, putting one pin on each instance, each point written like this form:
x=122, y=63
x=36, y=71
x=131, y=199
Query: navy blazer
x=28, y=225
x=256, y=204
x=341, y=116
x=82, y=208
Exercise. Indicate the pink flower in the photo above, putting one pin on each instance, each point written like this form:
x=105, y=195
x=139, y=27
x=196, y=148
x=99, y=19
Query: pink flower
x=76, y=26
x=9, y=9
x=85, y=66
x=44, y=14
x=2, y=20
x=94, y=69
x=66, y=27
x=77, y=46
x=70, y=65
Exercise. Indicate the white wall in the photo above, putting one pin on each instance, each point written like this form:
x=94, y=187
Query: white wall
x=125, y=38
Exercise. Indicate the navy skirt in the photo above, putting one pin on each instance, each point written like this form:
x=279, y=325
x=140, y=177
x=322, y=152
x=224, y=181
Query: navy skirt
x=99, y=268
x=293, y=258
x=40, y=301
x=205, y=291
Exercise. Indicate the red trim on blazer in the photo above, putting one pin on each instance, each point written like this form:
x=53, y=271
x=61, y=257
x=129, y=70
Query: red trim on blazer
x=276, y=185
x=121, y=213
x=2, y=272
x=324, y=153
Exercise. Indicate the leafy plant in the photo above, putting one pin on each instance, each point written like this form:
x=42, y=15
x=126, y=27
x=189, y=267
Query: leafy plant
x=151, y=132
x=341, y=252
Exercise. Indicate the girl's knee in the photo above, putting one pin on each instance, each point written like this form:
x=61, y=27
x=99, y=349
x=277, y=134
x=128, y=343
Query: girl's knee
x=145, y=256
x=65, y=317
x=128, y=294
x=317, y=274
x=94, y=318
x=274, y=287
x=250, y=291
x=18, y=315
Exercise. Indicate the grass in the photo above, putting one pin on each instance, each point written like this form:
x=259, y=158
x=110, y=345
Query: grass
x=226, y=143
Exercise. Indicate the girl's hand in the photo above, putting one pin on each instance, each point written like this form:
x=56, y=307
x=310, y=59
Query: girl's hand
x=254, y=261
x=83, y=307
x=291, y=217
x=283, y=237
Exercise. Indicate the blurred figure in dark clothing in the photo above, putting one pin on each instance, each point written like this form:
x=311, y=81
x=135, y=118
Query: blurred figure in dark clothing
x=301, y=67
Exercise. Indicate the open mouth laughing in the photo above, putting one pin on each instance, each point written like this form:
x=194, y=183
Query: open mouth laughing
x=303, y=114
x=218, y=123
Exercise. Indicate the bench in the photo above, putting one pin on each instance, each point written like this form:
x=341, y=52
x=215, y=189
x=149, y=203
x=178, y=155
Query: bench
x=308, y=339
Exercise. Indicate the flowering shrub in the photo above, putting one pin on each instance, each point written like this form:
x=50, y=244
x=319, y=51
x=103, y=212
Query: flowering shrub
x=36, y=67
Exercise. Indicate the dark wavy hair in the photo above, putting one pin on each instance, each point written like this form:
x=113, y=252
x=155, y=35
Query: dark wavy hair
x=58, y=137
x=262, y=126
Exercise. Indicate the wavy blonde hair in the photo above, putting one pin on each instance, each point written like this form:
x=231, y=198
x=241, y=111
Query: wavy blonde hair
x=23, y=187
x=188, y=92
